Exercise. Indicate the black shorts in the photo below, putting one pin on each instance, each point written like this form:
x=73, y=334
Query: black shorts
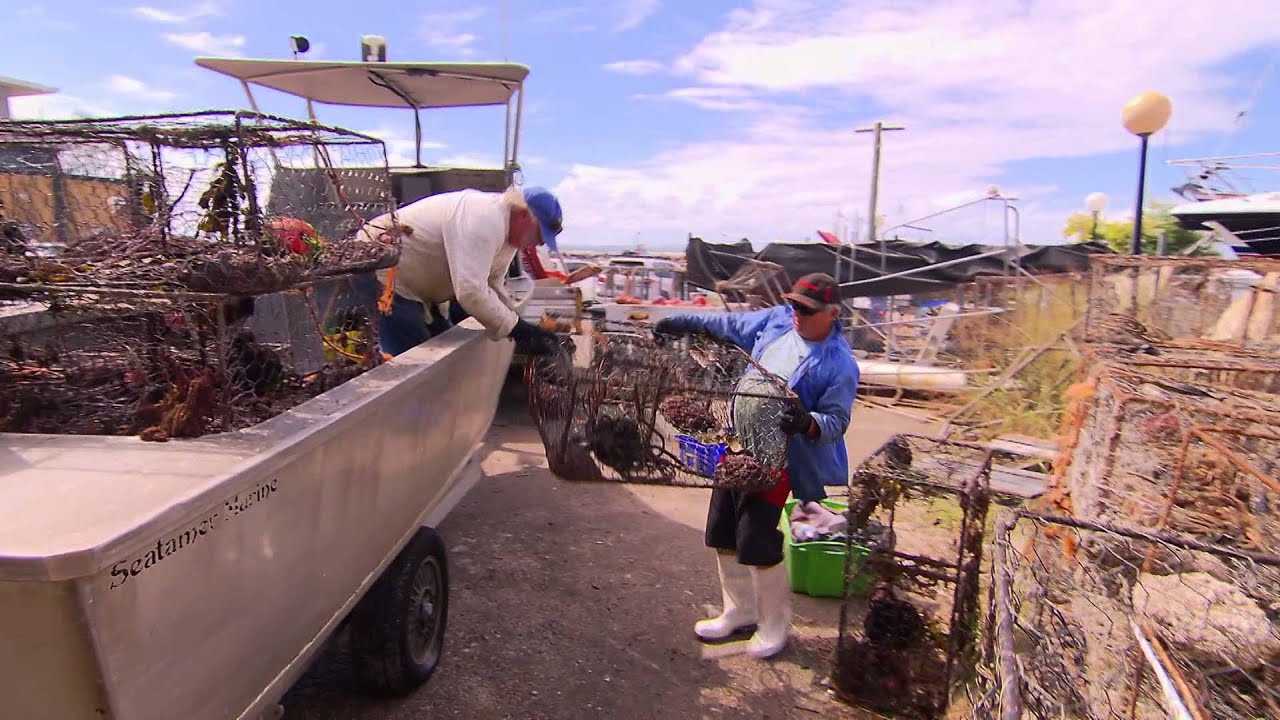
x=746, y=525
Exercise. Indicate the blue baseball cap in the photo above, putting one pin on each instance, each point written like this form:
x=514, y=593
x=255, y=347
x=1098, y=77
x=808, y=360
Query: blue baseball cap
x=546, y=209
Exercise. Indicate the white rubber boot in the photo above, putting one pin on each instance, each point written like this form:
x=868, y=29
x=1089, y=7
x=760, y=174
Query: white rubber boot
x=739, y=601
x=773, y=600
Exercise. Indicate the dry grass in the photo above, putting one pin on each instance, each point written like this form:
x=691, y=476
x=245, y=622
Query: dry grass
x=1031, y=401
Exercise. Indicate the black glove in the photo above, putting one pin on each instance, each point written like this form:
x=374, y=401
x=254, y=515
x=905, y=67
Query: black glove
x=671, y=326
x=533, y=340
x=795, y=420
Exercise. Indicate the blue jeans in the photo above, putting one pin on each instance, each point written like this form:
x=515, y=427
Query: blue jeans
x=406, y=327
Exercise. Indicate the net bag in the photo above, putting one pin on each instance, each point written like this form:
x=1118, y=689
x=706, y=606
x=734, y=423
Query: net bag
x=620, y=406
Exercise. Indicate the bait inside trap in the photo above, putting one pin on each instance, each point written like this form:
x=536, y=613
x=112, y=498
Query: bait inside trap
x=225, y=202
x=920, y=505
x=621, y=406
x=164, y=366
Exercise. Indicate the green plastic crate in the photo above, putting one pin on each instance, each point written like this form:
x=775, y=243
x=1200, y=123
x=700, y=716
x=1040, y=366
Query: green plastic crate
x=816, y=568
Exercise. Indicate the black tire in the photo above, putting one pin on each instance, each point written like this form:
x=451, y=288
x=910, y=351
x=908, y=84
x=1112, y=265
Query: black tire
x=397, y=628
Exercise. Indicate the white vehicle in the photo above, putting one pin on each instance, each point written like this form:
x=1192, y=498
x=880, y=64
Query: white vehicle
x=196, y=579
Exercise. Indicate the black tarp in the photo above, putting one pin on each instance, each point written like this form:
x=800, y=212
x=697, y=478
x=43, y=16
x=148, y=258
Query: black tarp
x=861, y=266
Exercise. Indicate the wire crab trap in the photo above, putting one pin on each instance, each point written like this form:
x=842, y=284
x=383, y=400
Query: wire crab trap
x=1091, y=621
x=1154, y=451
x=917, y=513
x=756, y=283
x=623, y=407
x=1228, y=301
x=232, y=202
x=164, y=366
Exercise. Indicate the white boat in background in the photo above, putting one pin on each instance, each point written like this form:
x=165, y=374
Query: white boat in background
x=1251, y=220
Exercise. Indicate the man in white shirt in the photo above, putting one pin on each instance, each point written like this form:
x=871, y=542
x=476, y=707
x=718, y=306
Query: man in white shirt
x=456, y=248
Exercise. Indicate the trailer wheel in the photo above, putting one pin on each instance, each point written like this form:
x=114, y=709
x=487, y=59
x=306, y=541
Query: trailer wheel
x=397, y=629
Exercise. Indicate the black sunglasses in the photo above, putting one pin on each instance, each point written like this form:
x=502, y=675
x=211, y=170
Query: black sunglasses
x=802, y=309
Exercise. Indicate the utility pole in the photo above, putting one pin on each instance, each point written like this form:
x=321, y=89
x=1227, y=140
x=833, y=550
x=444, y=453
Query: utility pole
x=878, y=128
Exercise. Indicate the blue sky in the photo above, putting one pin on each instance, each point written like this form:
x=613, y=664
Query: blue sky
x=655, y=119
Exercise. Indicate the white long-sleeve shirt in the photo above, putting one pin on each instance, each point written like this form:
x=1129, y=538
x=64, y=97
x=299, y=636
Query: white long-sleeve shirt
x=458, y=251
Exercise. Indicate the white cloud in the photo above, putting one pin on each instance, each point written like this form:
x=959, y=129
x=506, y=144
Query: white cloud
x=634, y=12
x=979, y=85
x=57, y=106
x=635, y=67
x=712, y=98
x=133, y=87
x=617, y=15
x=177, y=17
x=444, y=31
x=471, y=160
x=207, y=43
x=400, y=145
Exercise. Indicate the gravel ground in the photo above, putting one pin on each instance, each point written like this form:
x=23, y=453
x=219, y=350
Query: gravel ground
x=573, y=601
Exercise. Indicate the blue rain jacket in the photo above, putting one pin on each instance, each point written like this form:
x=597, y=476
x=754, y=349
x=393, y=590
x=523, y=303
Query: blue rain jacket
x=825, y=382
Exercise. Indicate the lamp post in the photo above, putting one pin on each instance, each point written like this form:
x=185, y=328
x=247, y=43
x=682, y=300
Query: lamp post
x=1096, y=203
x=1143, y=116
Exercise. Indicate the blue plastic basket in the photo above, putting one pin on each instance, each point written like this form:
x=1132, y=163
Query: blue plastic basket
x=702, y=458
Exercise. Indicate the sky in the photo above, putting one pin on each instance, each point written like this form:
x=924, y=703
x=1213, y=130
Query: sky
x=653, y=120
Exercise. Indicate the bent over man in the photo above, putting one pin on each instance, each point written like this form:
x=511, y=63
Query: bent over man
x=456, y=248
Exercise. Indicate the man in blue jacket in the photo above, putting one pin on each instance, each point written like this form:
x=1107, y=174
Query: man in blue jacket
x=801, y=343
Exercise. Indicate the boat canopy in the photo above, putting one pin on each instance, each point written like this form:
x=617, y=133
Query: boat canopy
x=413, y=85
x=379, y=84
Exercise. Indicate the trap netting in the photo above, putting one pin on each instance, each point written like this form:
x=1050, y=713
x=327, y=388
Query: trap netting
x=230, y=202
x=1148, y=447
x=1228, y=301
x=167, y=366
x=621, y=406
x=909, y=617
x=1094, y=622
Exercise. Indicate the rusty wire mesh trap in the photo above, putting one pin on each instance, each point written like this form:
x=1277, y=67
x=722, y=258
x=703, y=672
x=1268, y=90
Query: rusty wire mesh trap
x=1228, y=301
x=1093, y=621
x=919, y=506
x=228, y=202
x=161, y=366
x=1151, y=449
x=621, y=406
